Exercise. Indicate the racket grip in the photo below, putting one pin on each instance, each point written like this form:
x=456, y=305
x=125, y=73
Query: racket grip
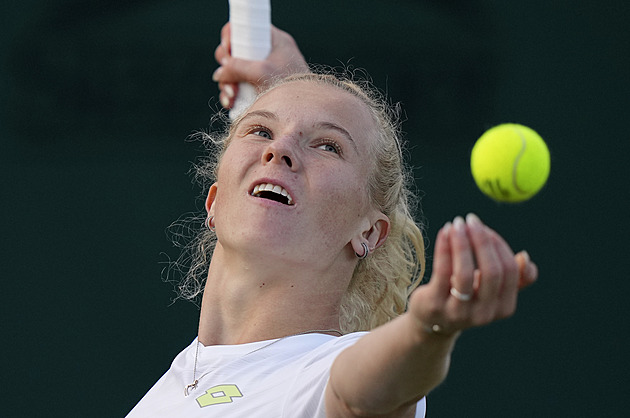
x=250, y=31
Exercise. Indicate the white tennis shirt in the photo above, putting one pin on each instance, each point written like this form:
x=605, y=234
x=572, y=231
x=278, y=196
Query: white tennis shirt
x=282, y=378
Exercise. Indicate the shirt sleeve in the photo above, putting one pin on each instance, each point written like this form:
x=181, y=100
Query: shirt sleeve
x=306, y=394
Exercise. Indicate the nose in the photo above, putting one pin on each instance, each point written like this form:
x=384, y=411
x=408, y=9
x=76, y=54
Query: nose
x=280, y=151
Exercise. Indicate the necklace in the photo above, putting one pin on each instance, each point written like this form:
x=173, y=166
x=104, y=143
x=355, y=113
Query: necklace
x=193, y=385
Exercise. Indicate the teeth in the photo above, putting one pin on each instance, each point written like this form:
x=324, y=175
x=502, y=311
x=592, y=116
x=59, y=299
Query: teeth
x=272, y=188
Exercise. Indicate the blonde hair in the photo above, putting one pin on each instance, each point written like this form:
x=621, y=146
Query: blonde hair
x=382, y=282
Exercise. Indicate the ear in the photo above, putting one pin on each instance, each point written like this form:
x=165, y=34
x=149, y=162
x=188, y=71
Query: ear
x=212, y=194
x=373, y=237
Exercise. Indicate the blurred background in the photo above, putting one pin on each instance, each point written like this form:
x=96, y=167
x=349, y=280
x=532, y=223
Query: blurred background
x=98, y=99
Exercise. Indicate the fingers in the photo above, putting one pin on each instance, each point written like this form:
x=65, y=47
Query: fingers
x=227, y=94
x=285, y=58
x=427, y=303
x=237, y=70
x=230, y=75
x=227, y=75
x=225, y=38
x=476, y=278
x=221, y=54
x=528, y=271
x=442, y=263
x=508, y=291
x=234, y=71
x=494, y=259
x=462, y=280
x=223, y=50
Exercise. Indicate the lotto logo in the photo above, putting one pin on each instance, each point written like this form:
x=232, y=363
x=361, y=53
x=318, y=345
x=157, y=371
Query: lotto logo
x=219, y=395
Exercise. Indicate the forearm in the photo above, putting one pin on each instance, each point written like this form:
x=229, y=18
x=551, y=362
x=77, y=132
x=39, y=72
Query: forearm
x=395, y=365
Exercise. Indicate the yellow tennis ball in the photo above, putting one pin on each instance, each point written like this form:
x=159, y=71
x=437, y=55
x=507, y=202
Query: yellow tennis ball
x=510, y=162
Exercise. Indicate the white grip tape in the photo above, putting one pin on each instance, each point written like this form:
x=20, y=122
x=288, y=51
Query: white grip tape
x=250, y=26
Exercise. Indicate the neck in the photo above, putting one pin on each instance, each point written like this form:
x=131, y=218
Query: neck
x=246, y=302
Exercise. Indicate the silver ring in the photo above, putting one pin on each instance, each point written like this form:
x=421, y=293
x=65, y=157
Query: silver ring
x=208, y=223
x=366, y=251
x=464, y=297
x=433, y=329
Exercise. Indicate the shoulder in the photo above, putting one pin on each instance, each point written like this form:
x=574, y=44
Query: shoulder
x=317, y=346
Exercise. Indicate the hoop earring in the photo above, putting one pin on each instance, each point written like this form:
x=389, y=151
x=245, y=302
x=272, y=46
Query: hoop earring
x=366, y=251
x=210, y=223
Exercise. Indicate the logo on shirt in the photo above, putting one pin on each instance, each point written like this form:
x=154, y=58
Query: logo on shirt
x=218, y=395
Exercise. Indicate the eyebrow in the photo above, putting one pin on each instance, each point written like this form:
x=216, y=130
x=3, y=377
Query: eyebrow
x=339, y=129
x=258, y=113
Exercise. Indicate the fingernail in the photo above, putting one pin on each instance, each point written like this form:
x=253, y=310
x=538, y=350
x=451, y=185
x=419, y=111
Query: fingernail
x=447, y=227
x=225, y=102
x=223, y=61
x=526, y=256
x=472, y=219
x=458, y=223
x=228, y=90
x=217, y=74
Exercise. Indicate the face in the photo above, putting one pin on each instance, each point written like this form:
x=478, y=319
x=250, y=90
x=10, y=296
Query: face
x=292, y=182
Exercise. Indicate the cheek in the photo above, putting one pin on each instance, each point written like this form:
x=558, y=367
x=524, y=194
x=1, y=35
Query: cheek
x=351, y=187
x=233, y=163
x=345, y=199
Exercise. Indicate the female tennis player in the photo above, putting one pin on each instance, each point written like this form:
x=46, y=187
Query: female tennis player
x=311, y=260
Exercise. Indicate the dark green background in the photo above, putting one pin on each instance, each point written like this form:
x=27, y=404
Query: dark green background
x=98, y=99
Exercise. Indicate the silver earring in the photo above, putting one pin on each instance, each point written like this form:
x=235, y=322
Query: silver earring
x=210, y=223
x=366, y=251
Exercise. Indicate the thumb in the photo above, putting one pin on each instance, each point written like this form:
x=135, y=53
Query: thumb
x=527, y=269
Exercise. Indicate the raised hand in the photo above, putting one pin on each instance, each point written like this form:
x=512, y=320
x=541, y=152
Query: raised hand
x=285, y=58
x=475, y=281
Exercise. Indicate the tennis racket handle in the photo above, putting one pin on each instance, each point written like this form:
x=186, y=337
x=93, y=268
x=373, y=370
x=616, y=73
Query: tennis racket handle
x=250, y=31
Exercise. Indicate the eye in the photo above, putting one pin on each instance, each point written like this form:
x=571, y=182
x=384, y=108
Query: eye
x=260, y=131
x=330, y=146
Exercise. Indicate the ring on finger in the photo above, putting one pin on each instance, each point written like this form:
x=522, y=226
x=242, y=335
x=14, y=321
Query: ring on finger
x=464, y=297
x=433, y=329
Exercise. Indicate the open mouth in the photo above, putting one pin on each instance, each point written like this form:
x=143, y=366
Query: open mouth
x=272, y=192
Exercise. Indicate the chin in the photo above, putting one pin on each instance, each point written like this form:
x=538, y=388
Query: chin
x=270, y=243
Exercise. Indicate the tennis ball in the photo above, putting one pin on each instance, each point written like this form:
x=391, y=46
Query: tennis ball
x=510, y=162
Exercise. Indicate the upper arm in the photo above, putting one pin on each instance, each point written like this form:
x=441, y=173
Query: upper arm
x=337, y=408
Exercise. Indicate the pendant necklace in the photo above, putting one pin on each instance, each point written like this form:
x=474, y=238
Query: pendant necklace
x=193, y=385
